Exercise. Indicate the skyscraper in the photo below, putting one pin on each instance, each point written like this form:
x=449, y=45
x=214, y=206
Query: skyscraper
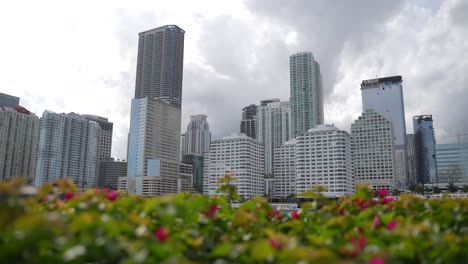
x=410, y=153
x=425, y=158
x=284, y=175
x=372, y=151
x=248, y=122
x=306, y=89
x=197, y=139
x=19, y=130
x=273, y=128
x=68, y=147
x=160, y=64
x=385, y=96
x=7, y=100
x=105, y=136
x=452, y=163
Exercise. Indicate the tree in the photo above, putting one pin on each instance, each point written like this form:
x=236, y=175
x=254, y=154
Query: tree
x=452, y=188
x=419, y=189
x=436, y=189
x=395, y=192
x=465, y=188
x=228, y=187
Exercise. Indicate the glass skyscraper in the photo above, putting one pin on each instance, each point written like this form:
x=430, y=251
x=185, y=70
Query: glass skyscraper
x=424, y=147
x=452, y=163
x=7, y=100
x=306, y=90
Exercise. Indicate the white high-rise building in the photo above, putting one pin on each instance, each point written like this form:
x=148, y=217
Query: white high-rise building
x=19, y=131
x=242, y=156
x=273, y=129
x=197, y=139
x=284, y=175
x=323, y=158
x=68, y=147
x=373, y=152
x=385, y=96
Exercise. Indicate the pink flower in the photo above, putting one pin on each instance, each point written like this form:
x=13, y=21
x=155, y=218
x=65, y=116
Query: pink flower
x=211, y=213
x=364, y=204
x=358, y=245
x=374, y=202
x=273, y=212
x=376, y=260
x=161, y=234
x=383, y=193
x=69, y=195
x=376, y=222
x=295, y=214
x=112, y=195
x=392, y=224
x=387, y=200
x=275, y=243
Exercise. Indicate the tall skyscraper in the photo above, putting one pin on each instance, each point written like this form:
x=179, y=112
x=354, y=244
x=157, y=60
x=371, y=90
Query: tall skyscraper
x=197, y=139
x=306, y=92
x=241, y=156
x=426, y=169
x=105, y=135
x=452, y=163
x=197, y=170
x=410, y=153
x=323, y=157
x=7, y=100
x=160, y=64
x=284, y=175
x=372, y=151
x=68, y=147
x=385, y=96
x=248, y=122
x=19, y=130
x=273, y=128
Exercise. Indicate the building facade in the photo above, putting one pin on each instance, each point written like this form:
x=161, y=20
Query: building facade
x=68, y=147
x=323, y=158
x=306, y=90
x=242, y=156
x=19, y=132
x=410, y=153
x=160, y=64
x=385, y=96
x=425, y=158
x=105, y=136
x=372, y=151
x=273, y=129
x=452, y=163
x=197, y=163
x=7, y=100
x=248, y=122
x=284, y=174
x=197, y=139
x=110, y=171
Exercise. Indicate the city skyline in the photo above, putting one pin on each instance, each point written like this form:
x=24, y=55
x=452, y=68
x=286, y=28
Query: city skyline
x=217, y=72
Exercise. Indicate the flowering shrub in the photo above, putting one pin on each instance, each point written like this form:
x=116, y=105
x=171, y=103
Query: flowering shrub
x=62, y=225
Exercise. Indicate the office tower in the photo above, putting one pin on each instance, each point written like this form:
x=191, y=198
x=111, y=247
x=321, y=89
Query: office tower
x=7, y=100
x=452, y=163
x=284, y=174
x=323, y=158
x=160, y=64
x=306, y=89
x=197, y=170
x=68, y=147
x=110, y=171
x=19, y=130
x=248, y=122
x=154, y=143
x=424, y=140
x=206, y=174
x=242, y=156
x=105, y=136
x=372, y=151
x=410, y=153
x=197, y=139
x=385, y=96
x=273, y=128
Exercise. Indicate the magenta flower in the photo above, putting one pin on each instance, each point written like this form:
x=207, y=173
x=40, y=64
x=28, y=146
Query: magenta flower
x=376, y=222
x=376, y=260
x=392, y=224
x=382, y=193
x=387, y=200
x=275, y=243
x=295, y=214
x=112, y=195
x=69, y=195
x=161, y=234
x=211, y=213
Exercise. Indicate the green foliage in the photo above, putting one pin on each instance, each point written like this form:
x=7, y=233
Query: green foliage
x=61, y=225
x=228, y=188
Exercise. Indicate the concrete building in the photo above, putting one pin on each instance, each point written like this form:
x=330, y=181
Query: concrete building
x=242, y=156
x=105, y=135
x=425, y=158
x=248, y=122
x=373, y=151
x=385, y=96
x=197, y=139
x=323, y=158
x=284, y=174
x=153, y=144
x=273, y=129
x=452, y=163
x=110, y=171
x=160, y=64
x=306, y=89
x=7, y=100
x=19, y=131
x=197, y=163
x=68, y=147
x=410, y=153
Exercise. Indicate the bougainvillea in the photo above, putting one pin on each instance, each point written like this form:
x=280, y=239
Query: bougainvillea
x=62, y=225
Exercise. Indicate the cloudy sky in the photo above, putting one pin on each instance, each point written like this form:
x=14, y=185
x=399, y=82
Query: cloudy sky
x=80, y=56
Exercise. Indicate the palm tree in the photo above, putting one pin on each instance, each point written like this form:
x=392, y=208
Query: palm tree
x=452, y=188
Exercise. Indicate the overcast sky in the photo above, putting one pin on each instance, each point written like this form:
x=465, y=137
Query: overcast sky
x=81, y=56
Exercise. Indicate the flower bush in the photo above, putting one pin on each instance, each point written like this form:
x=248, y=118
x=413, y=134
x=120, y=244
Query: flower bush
x=61, y=225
